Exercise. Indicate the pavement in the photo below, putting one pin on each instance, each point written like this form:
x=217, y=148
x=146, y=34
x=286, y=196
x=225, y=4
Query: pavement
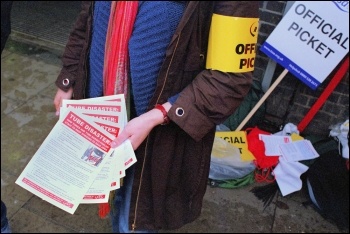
x=30, y=64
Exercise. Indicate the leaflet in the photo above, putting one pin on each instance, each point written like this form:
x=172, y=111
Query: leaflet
x=105, y=106
x=271, y=143
x=108, y=103
x=113, y=121
x=298, y=151
x=60, y=171
x=116, y=97
x=100, y=188
x=75, y=164
x=118, y=118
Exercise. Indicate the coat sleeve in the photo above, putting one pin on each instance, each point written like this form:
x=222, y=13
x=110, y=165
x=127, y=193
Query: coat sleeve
x=72, y=56
x=213, y=95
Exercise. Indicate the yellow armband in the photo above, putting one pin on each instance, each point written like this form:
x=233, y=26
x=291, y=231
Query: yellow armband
x=232, y=43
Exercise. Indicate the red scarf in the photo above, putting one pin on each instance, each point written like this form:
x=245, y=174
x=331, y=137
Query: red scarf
x=116, y=65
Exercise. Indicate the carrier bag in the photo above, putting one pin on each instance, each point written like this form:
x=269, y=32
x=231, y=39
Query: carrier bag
x=327, y=182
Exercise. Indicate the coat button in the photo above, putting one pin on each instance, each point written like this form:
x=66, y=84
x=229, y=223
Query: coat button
x=201, y=56
x=65, y=82
x=179, y=111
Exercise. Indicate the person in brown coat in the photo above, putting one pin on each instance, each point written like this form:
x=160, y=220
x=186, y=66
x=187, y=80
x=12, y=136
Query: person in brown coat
x=190, y=66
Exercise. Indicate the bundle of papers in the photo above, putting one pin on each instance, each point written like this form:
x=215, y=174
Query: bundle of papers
x=291, y=150
x=76, y=164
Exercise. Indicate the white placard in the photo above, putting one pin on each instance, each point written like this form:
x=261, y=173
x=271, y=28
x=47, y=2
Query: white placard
x=311, y=39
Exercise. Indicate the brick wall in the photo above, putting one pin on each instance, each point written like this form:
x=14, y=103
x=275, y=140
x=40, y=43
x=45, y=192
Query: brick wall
x=291, y=100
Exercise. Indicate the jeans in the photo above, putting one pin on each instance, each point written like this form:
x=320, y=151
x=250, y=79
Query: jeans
x=5, y=227
x=120, y=213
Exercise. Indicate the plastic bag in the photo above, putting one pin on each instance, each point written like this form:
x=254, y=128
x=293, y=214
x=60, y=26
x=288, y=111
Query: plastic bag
x=226, y=162
x=257, y=147
x=340, y=132
x=264, y=164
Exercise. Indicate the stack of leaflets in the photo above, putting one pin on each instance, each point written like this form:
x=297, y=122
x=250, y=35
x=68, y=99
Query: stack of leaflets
x=76, y=164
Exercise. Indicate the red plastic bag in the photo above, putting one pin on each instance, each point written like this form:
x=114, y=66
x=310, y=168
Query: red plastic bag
x=263, y=163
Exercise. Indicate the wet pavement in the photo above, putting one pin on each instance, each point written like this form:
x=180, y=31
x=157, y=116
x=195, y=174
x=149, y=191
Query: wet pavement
x=30, y=64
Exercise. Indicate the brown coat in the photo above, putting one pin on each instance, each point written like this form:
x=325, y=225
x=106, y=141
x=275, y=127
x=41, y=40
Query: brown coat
x=173, y=162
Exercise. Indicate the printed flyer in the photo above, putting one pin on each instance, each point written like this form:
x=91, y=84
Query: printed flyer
x=75, y=164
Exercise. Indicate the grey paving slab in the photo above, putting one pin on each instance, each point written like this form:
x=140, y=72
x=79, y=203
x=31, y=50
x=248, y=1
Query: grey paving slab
x=5, y=53
x=26, y=74
x=13, y=195
x=297, y=218
x=28, y=222
x=8, y=105
x=230, y=211
x=84, y=220
x=23, y=131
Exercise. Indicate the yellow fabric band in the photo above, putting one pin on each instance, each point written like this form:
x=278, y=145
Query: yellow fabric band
x=232, y=43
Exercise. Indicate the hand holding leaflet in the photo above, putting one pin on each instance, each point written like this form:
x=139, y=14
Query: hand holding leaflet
x=60, y=172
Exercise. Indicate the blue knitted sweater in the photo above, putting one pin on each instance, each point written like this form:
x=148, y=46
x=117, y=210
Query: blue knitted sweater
x=97, y=50
x=154, y=27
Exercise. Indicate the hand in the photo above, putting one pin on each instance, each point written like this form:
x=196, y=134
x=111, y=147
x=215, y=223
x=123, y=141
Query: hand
x=138, y=128
x=60, y=95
